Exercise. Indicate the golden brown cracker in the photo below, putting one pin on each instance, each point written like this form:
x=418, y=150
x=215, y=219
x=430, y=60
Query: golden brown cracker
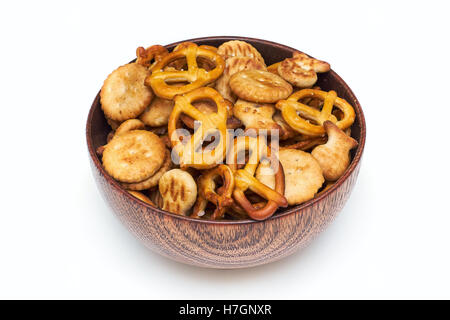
x=133, y=156
x=124, y=95
x=259, y=86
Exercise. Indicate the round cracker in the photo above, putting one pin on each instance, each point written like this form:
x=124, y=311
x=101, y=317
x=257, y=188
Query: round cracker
x=234, y=65
x=302, y=174
x=259, y=86
x=124, y=95
x=129, y=125
x=178, y=191
x=154, y=179
x=157, y=113
x=238, y=48
x=133, y=156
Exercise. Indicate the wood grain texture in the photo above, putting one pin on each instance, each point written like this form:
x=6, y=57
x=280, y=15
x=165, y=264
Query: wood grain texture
x=229, y=244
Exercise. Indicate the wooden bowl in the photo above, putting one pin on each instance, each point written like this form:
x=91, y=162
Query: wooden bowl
x=229, y=244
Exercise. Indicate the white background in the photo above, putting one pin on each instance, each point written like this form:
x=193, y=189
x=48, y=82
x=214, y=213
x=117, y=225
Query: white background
x=58, y=239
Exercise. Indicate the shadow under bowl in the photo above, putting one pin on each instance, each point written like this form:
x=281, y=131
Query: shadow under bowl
x=229, y=244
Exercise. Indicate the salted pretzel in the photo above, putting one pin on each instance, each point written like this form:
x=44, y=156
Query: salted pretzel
x=306, y=144
x=299, y=115
x=154, y=53
x=161, y=80
x=190, y=152
x=207, y=192
x=244, y=178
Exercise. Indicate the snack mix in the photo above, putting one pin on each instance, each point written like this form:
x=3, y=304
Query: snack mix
x=214, y=133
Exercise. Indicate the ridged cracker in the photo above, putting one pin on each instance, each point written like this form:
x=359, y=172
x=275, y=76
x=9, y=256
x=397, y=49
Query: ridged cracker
x=178, y=191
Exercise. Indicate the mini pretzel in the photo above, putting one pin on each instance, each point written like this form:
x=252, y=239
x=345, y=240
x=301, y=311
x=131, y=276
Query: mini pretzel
x=301, y=70
x=197, y=77
x=181, y=63
x=298, y=115
x=237, y=212
x=286, y=132
x=210, y=123
x=185, y=44
x=154, y=53
x=208, y=107
x=244, y=178
x=306, y=144
x=206, y=191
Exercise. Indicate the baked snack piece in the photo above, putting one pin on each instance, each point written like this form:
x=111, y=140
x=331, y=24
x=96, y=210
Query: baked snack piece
x=334, y=156
x=286, y=132
x=209, y=107
x=146, y=144
x=133, y=156
x=142, y=197
x=162, y=82
x=129, y=125
x=259, y=86
x=154, y=179
x=309, y=120
x=124, y=95
x=301, y=70
x=234, y=65
x=245, y=180
x=207, y=192
x=191, y=154
x=274, y=68
x=238, y=48
x=178, y=191
x=157, y=113
x=113, y=123
x=304, y=143
x=256, y=116
x=150, y=56
x=303, y=175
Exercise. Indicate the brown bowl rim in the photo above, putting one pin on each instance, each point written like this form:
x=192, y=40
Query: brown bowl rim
x=295, y=209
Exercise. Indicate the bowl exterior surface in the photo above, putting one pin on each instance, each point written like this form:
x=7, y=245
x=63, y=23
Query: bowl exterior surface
x=235, y=244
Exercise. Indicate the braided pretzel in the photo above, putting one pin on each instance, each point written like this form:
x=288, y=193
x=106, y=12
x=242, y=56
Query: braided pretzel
x=206, y=188
x=197, y=77
x=299, y=122
x=244, y=178
x=211, y=123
